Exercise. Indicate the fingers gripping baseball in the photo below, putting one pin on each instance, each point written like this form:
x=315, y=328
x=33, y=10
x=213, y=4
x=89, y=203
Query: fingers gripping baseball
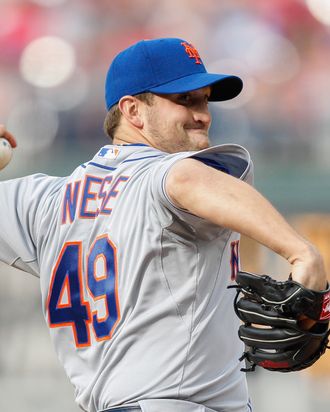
x=272, y=331
x=7, y=135
x=7, y=143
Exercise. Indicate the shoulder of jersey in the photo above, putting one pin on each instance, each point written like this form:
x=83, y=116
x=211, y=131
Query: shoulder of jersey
x=126, y=153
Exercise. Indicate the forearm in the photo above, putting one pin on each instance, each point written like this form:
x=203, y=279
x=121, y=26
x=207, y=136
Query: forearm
x=238, y=206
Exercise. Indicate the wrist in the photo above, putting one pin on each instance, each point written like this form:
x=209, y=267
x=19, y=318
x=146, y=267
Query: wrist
x=308, y=267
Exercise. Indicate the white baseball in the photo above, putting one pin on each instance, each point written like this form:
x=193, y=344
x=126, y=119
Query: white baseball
x=6, y=152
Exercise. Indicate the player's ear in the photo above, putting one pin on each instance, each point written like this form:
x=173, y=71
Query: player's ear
x=129, y=107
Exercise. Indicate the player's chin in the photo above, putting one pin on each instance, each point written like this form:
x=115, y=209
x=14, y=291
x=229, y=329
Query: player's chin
x=199, y=141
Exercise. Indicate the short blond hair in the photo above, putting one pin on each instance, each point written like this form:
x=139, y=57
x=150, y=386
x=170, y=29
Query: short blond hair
x=112, y=119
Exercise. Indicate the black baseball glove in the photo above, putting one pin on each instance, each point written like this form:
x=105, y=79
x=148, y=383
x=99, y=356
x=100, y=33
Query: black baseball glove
x=272, y=311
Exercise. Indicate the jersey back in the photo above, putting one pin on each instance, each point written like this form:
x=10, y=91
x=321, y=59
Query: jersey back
x=134, y=290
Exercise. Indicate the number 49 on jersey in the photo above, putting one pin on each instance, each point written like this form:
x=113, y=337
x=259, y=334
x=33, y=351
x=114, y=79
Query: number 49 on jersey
x=66, y=304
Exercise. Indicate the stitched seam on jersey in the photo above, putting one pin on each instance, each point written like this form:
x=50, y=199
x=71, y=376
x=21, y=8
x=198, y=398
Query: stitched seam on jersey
x=102, y=166
x=216, y=278
x=140, y=158
x=191, y=326
x=164, y=275
x=195, y=326
x=134, y=144
x=162, y=154
x=179, y=313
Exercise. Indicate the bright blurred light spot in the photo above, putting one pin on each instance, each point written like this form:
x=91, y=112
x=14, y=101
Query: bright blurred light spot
x=320, y=9
x=49, y=3
x=273, y=57
x=69, y=94
x=47, y=62
x=34, y=123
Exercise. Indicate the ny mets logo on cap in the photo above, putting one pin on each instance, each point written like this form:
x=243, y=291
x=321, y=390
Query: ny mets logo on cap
x=192, y=52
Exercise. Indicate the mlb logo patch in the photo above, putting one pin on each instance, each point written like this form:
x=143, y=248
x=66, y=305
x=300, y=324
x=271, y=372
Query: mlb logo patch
x=109, y=152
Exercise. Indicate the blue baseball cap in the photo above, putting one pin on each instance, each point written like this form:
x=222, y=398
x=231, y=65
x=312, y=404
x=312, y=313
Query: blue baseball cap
x=164, y=66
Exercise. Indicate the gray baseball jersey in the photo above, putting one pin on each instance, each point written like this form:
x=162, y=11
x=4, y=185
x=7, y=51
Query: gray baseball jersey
x=134, y=290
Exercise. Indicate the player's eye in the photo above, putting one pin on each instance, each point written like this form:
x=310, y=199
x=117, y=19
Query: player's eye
x=184, y=98
x=189, y=99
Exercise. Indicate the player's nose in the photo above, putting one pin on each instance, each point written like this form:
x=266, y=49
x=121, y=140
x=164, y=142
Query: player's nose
x=202, y=115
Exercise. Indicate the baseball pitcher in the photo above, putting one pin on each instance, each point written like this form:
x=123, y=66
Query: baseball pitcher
x=135, y=250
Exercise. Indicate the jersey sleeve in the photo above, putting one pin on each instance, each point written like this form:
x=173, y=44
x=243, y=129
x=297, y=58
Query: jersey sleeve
x=231, y=159
x=21, y=203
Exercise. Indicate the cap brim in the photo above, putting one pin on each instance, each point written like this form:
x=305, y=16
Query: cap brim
x=224, y=87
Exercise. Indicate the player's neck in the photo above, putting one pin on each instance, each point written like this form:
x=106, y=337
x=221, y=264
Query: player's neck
x=129, y=135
